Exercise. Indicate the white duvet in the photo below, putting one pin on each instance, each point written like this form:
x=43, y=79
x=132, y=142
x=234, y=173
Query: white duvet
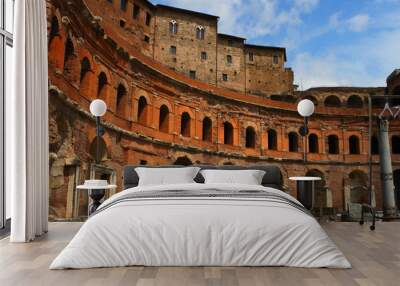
x=200, y=231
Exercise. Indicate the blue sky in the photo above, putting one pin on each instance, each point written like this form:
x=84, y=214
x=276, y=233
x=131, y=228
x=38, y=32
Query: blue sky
x=329, y=42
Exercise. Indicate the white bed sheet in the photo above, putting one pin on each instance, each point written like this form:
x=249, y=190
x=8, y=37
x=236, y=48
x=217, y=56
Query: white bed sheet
x=200, y=232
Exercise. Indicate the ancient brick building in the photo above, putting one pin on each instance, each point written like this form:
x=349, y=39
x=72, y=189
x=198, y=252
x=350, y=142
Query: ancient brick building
x=177, y=91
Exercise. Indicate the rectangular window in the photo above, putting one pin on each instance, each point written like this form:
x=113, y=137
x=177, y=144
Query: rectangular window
x=148, y=19
x=275, y=59
x=192, y=74
x=123, y=5
x=229, y=59
x=136, y=11
x=224, y=77
x=203, y=56
x=147, y=39
x=251, y=57
x=172, y=50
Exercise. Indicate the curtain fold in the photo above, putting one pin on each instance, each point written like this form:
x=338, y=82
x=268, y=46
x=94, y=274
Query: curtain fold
x=27, y=124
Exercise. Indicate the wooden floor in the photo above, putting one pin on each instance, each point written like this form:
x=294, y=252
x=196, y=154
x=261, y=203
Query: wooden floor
x=375, y=257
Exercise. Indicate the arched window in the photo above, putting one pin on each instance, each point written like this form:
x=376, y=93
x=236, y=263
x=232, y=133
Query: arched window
x=164, y=119
x=396, y=144
x=293, y=142
x=101, y=85
x=374, y=145
x=85, y=68
x=312, y=98
x=207, y=129
x=54, y=29
x=354, y=144
x=333, y=144
x=272, y=140
x=185, y=124
x=173, y=27
x=69, y=53
x=332, y=101
x=121, y=100
x=229, y=59
x=250, y=137
x=142, y=110
x=354, y=101
x=313, y=143
x=228, y=133
x=200, y=32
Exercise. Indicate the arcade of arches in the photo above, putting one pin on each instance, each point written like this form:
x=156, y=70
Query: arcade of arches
x=156, y=116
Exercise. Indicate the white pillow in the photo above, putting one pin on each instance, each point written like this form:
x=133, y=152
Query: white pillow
x=166, y=176
x=248, y=177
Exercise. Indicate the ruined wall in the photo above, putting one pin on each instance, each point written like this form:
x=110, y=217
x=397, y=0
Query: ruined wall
x=136, y=133
x=188, y=47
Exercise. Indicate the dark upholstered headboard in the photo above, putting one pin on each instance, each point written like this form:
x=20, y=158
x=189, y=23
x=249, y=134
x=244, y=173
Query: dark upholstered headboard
x=272, y=178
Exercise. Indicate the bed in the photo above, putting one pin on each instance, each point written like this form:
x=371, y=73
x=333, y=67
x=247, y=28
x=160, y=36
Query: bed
x=198, y=224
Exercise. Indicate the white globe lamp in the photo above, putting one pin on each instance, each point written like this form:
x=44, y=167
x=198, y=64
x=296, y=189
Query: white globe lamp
x=305, y=108
x=98, y=107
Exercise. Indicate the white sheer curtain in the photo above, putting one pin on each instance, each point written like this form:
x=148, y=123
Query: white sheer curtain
x=27, y=124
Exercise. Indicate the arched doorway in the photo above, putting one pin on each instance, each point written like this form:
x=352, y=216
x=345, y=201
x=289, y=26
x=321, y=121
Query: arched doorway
x=358, y=181
x=183, y=161
x=320, y=190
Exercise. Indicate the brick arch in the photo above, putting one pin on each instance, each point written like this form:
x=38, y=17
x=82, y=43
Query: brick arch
x=332, y=101
x=71, y=65
x=56, y=43
x=251, y=140
x=104, y=91
x=349, y=137
x=146, y=118
x=88, y=85
x=159, y=123
x=121, y=99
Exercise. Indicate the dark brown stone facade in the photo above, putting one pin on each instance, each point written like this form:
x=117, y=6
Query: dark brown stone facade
x=159, y=116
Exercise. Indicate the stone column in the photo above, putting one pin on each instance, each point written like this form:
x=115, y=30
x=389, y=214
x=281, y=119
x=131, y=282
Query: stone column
x=389, y=205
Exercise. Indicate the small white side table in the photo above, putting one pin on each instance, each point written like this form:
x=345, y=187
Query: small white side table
x=95, y=194
x=305, y=190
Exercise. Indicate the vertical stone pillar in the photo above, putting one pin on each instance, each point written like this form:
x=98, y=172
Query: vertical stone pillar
x=389, y=205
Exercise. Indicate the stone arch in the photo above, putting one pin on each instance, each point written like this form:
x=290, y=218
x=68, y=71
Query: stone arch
x=312, y=98
x=333, y=144
x=121, y=100
x=86, y=77
x=313, y=146
x=358, y=183
x=163, y=122
x=207, y=129
x=69, y=58
x=354, y=144
x=228, y=133
x=56, y=44
x=186, y=124
x=272, y=136
x=293, y=139
x=332, y=101
x=395, y=144
x=142, y=110
x=250, y=137
x=183, y=161
x=54, y=29
x=355, y=101
x=103, y=86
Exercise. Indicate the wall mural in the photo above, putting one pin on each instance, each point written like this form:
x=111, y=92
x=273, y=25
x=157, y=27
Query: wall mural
x=179, y=93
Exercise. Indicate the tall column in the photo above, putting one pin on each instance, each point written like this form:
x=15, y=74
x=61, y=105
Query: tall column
x=389, y=205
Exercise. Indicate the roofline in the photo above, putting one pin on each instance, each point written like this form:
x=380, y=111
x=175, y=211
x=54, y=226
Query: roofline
x=160, y=6
x=231, y=36
x=267, y=48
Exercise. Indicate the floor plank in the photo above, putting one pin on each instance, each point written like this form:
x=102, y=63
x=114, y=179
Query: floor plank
x=375, y=256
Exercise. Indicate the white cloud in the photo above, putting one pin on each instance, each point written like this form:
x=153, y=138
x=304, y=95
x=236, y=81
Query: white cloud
x=358, y=23
x=250, y=18
x=364, y=63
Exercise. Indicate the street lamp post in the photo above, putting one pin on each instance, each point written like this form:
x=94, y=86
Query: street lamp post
x=98, y=108
x=305, y=108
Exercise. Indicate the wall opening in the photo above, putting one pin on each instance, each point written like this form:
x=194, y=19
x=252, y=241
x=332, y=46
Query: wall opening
x=102, y=86
x=374, y=145
x=121, y=100
x=207, y=129
x=142, y=110
x=228, y=133
x=183, y=161
x=250, y=137
x=293, y=142
x=272, y=140
x=313, y=143
x=396, y=144
x=355, y=101
x=69, y=55
x=332, y=101
x=185, y=124
x=164, y=119
x=333, y=144
x=354, y=144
